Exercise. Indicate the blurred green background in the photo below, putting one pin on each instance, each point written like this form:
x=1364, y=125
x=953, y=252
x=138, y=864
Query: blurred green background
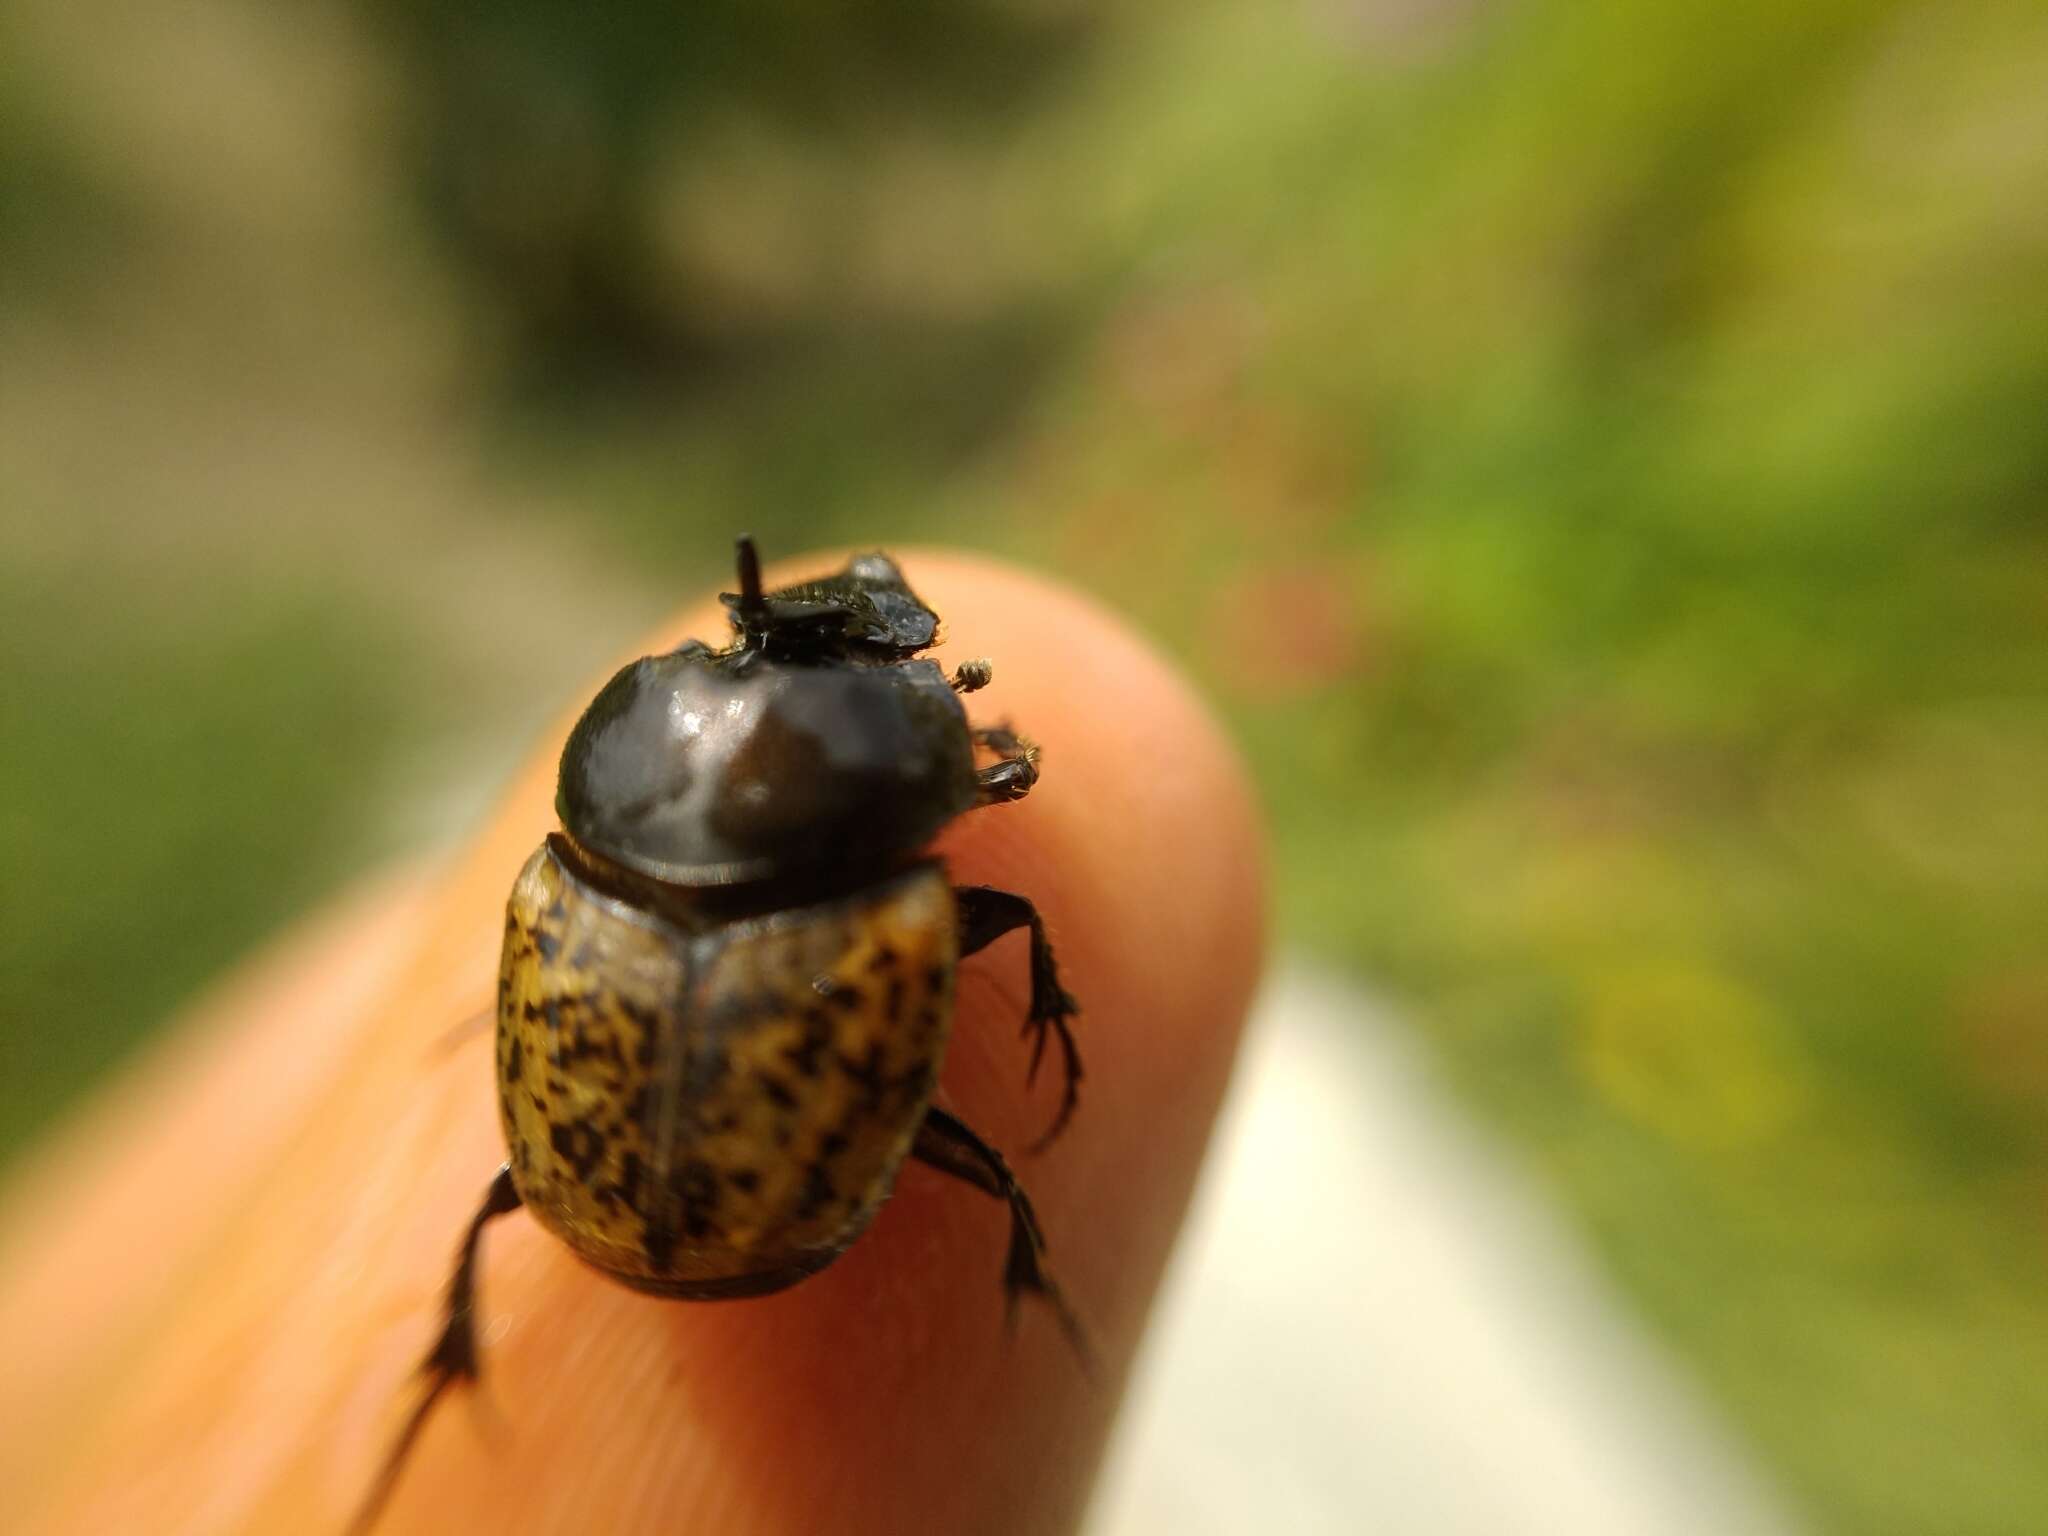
x=1595, y=456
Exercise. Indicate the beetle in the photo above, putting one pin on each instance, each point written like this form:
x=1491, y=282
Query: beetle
x=727, y=978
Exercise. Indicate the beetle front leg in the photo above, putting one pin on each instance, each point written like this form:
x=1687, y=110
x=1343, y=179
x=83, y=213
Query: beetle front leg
x=986, y=914
x=1012, y=778
x=453, y=1358
x=944, y=1142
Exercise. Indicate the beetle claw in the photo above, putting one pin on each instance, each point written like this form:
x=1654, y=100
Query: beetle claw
x=1055, y=1024
x=947, y=1144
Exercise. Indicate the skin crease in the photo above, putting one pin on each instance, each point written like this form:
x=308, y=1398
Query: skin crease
x=215, y=1287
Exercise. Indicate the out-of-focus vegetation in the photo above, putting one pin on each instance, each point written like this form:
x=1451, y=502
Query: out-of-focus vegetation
x=1595, y=456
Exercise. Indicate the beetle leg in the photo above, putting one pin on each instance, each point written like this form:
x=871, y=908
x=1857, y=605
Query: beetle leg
x=1012, y=778
x=944, y=1142
x=459, y=1033
x=453, y=1358
x=1000, y=738
x=986, y=914
x=970, y=675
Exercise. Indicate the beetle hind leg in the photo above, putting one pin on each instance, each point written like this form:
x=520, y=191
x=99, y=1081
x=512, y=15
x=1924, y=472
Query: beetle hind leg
x=453, y=1359
x=986, y=914
x=944, y=1142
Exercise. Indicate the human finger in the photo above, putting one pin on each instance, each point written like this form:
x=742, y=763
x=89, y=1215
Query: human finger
x=881, y=1394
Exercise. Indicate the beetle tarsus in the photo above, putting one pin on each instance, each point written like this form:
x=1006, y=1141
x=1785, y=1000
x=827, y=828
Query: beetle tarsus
x=946, y=1143
x=453, y=1359
x=986, y=914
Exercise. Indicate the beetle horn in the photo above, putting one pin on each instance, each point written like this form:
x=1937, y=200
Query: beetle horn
x=753, y=607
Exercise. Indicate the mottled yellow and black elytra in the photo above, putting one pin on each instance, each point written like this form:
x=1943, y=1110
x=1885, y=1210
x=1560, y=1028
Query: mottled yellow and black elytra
x=727, y=980
x=744, y=1149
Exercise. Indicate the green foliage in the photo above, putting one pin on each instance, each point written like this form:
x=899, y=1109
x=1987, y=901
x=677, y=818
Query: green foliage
x=185, y=788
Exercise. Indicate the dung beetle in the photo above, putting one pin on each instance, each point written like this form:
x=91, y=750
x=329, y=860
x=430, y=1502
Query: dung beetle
x=727, y=979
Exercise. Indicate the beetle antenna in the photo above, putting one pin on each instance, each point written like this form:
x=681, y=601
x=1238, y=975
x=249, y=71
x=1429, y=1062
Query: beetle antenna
x=753, y=608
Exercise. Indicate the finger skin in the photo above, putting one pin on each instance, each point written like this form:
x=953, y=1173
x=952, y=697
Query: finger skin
x=247, y=1376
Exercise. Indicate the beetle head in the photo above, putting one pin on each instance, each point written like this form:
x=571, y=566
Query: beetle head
x=866, y=612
